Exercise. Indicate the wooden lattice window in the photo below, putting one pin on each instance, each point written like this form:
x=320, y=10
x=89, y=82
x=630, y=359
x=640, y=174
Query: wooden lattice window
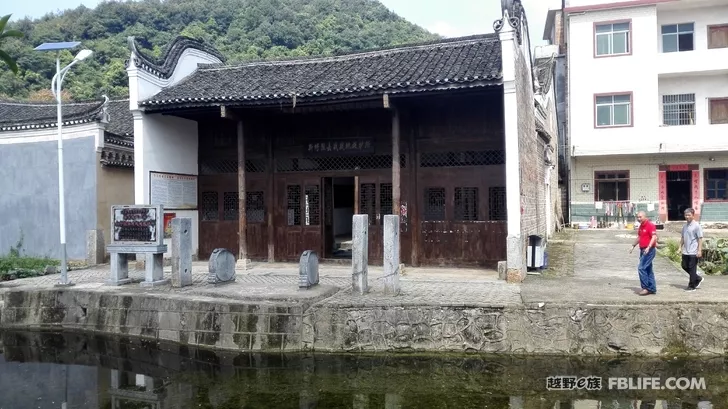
x=293, y=197
x=466, y=203
x=255, y=207
x=458, y=159
x=313, y=205
x=386, y=199
x=230, y=206
x=209, y=206
x=368, y=201
x=434, y=209
x=497, y=204
x=319, y=164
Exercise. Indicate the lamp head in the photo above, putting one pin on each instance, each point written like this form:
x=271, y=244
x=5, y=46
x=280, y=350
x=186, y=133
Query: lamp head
x=82, y=55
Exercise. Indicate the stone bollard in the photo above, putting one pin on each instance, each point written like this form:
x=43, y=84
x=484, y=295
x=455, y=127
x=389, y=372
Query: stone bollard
x=95, y=247
x=308, y=270
x=181, y=252
x=222, y=267
x=360, y=254
x=502, y=270
x=391, y=254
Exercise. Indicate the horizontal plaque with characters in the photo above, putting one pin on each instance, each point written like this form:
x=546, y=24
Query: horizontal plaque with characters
x=334, y=147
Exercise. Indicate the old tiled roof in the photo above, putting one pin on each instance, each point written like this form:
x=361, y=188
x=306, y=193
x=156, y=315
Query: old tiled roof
x=455, y=63
x=18, y=116
x=170, y=55
x=121, y=121
x=15, y=116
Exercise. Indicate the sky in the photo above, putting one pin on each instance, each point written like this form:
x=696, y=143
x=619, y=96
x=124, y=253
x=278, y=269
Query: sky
x=450, y=18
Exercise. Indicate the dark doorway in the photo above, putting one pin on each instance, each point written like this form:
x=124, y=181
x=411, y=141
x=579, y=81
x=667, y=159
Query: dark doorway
x=340, y=209
x=679, y=195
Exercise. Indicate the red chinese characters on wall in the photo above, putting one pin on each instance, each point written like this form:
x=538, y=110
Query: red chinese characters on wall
x=662, y=193
x=696, y=191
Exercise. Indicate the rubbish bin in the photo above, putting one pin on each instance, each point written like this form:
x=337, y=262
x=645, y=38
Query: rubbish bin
x=535, y=252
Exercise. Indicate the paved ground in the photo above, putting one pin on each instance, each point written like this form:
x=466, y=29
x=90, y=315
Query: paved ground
x=605, y=272
x=593, y=266
x=279, y=281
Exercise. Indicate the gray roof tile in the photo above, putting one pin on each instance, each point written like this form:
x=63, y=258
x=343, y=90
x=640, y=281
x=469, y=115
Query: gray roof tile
x=16, y=116
x=464, y=62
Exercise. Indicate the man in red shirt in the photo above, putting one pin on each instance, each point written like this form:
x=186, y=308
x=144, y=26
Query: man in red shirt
x=647, y=240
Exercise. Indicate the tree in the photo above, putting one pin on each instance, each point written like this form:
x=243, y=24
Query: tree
x=4, y=34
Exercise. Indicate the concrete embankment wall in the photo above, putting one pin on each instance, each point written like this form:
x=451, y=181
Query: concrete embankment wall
x=583, y=329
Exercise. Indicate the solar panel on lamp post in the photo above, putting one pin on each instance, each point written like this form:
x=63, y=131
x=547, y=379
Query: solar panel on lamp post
x=56, y=89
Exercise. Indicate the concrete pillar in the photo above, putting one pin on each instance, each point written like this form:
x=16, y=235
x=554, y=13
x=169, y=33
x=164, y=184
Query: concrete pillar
x=181, y=251
x=516, y=246
x=95, y=247
x=502, y=270
x=154, y=270
x=391, y=254
x=119, y=269
x=360, y=254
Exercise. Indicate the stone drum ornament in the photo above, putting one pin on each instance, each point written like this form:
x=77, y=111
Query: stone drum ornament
x=222, y=267
x=308, y=270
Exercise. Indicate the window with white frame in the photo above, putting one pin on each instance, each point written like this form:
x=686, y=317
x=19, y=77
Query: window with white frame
x=678, y=109
x=678, y=37
x=612, y=38
x=614, y=110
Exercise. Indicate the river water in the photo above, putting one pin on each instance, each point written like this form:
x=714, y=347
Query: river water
x=53, y=370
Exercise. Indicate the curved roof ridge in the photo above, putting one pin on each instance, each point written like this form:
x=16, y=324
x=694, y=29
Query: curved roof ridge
x=164, y=67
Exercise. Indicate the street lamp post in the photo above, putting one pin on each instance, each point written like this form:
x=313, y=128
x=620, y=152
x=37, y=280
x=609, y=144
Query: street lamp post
x=56, y=89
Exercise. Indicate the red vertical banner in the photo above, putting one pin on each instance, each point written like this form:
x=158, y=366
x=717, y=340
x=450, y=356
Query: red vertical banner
x=696, y=193
x=662, y=193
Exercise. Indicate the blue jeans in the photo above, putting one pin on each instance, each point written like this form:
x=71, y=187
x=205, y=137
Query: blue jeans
x=647, y=275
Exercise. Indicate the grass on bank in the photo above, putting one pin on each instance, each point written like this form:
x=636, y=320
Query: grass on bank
x=16, y=264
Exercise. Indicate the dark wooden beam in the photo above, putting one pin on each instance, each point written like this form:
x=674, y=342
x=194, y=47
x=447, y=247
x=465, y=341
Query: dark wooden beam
x=413, y=204
x=242, y=217
x=396, y=166
x=356, y=194
x=271, y=202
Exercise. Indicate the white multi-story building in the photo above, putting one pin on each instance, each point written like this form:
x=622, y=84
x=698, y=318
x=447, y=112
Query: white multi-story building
x=647, y=108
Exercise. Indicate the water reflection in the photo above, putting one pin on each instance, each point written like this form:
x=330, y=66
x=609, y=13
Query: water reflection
x=47, y=370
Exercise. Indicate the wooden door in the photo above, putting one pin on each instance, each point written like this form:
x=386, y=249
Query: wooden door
x=256, y=218
x=375, y=200
x=218, y=214
x=327, y=240
x=299, y=214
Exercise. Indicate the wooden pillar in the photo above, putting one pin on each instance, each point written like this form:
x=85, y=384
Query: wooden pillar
x=242, y=216
x=396, y=168
x=242, y=263
x=413, y=205
x=271, y=201
x=356, y=194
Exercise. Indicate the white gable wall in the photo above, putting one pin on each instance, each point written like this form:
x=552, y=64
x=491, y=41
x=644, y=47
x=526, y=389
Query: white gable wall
x=164, y=143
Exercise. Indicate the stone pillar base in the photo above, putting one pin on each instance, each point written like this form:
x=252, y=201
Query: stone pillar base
x=516, y=263
x=515, y=275
x=243, y=264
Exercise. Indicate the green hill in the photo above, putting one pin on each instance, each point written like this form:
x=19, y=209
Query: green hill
x=241, y=29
